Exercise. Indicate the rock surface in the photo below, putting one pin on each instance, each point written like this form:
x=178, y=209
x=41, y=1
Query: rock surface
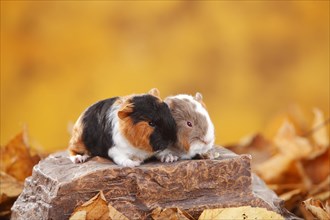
x=57, y=186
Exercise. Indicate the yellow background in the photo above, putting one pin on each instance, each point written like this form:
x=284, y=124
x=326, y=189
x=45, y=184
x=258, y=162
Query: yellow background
x=252, y=61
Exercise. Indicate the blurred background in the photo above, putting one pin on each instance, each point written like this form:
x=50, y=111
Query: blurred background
x=254, y=62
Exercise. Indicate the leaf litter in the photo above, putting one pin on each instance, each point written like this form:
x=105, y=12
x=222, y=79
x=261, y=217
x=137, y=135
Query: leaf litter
x=299, y=164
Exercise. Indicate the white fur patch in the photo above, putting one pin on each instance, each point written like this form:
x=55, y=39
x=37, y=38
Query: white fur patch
x=167, y=156
x=120, y=158
x=79, y=158
x=122, y=151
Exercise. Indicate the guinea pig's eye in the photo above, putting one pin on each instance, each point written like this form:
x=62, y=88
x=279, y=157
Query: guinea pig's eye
x=151, y=124
x=189, y=123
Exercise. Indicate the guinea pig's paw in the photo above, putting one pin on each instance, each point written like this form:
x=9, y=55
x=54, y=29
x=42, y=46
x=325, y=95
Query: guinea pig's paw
x=79, y=158
x=169, y=158
x=129, y=163
x=210, y=155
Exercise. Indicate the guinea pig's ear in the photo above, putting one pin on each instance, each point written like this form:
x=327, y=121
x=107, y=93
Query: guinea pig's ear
x=199, y=97
x=169, y=102
x=155, y=92
x=126, y=110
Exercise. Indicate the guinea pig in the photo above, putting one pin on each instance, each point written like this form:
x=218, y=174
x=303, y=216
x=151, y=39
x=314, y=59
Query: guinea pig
x=195, y=129
x=126, y=129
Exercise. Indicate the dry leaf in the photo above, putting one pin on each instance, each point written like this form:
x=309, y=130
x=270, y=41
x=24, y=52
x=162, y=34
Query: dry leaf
x=243, y=212
x=321, y=187
x=316, y=208
x=95, y=208
x=327, y=206
x=320, y=136
x=318, y=168
x=256, y=145
x=80, y=215
x=170, y=213
x=290, y=144
x=10, y=189
x=9, y=186
x=16, y=159
x=278, y=164
x=114, y=214
x=292, y=197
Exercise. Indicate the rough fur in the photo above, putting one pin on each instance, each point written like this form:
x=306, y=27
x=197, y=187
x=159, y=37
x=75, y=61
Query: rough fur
x=197, y=139
x=119, y=128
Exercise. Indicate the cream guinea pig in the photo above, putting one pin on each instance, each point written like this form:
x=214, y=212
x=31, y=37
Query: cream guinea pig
x=126, y=129
x=195, y=130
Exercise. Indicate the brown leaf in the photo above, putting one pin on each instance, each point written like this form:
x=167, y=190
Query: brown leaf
x=259, y=147
x=321, y=187
x=10, y=189
x=292, y=197
x=9, y=185
x=327, y=206
x=79, y=215
x=316, y=208
x=95, y=208
x=320, y=136
x=278, y=164
x=290, y=144
x=114, y=214
x=243, y=212
x=317, y=169
x=16, y=159
x=280, y=189
x=170, y=213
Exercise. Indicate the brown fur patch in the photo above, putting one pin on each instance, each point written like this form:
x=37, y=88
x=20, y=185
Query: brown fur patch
x=125, y=110
x=183, y=139
x=76, y=145
x=184, y=110
x=137, y=134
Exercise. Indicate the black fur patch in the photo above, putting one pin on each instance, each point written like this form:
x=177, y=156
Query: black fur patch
x=148, y=108
x=97, y=128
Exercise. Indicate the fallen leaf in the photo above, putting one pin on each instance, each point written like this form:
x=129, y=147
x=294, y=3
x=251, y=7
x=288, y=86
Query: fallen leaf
x=280, y=189
x=292, y=197
x=327, y=206
x=316, y=208
x=16, y=159
x=10, y=189
x=278, y=164
x=79, y=215
x=9, y=185
x=114, y=214
x=318, y=168
x=243, y=212
x=95, y=208
x=320, y=136
x=170, y=213
x=321, y=187
x=290, y=144
x=257, y=145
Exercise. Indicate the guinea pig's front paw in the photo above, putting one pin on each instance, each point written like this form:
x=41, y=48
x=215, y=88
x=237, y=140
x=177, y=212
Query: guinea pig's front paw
x=79, y=158
x=168, y=158
x=128, y=163
x=210, y=155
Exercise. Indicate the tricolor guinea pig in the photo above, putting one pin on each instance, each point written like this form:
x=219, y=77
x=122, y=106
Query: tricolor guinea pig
x=126, y=129
x=195, y=130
